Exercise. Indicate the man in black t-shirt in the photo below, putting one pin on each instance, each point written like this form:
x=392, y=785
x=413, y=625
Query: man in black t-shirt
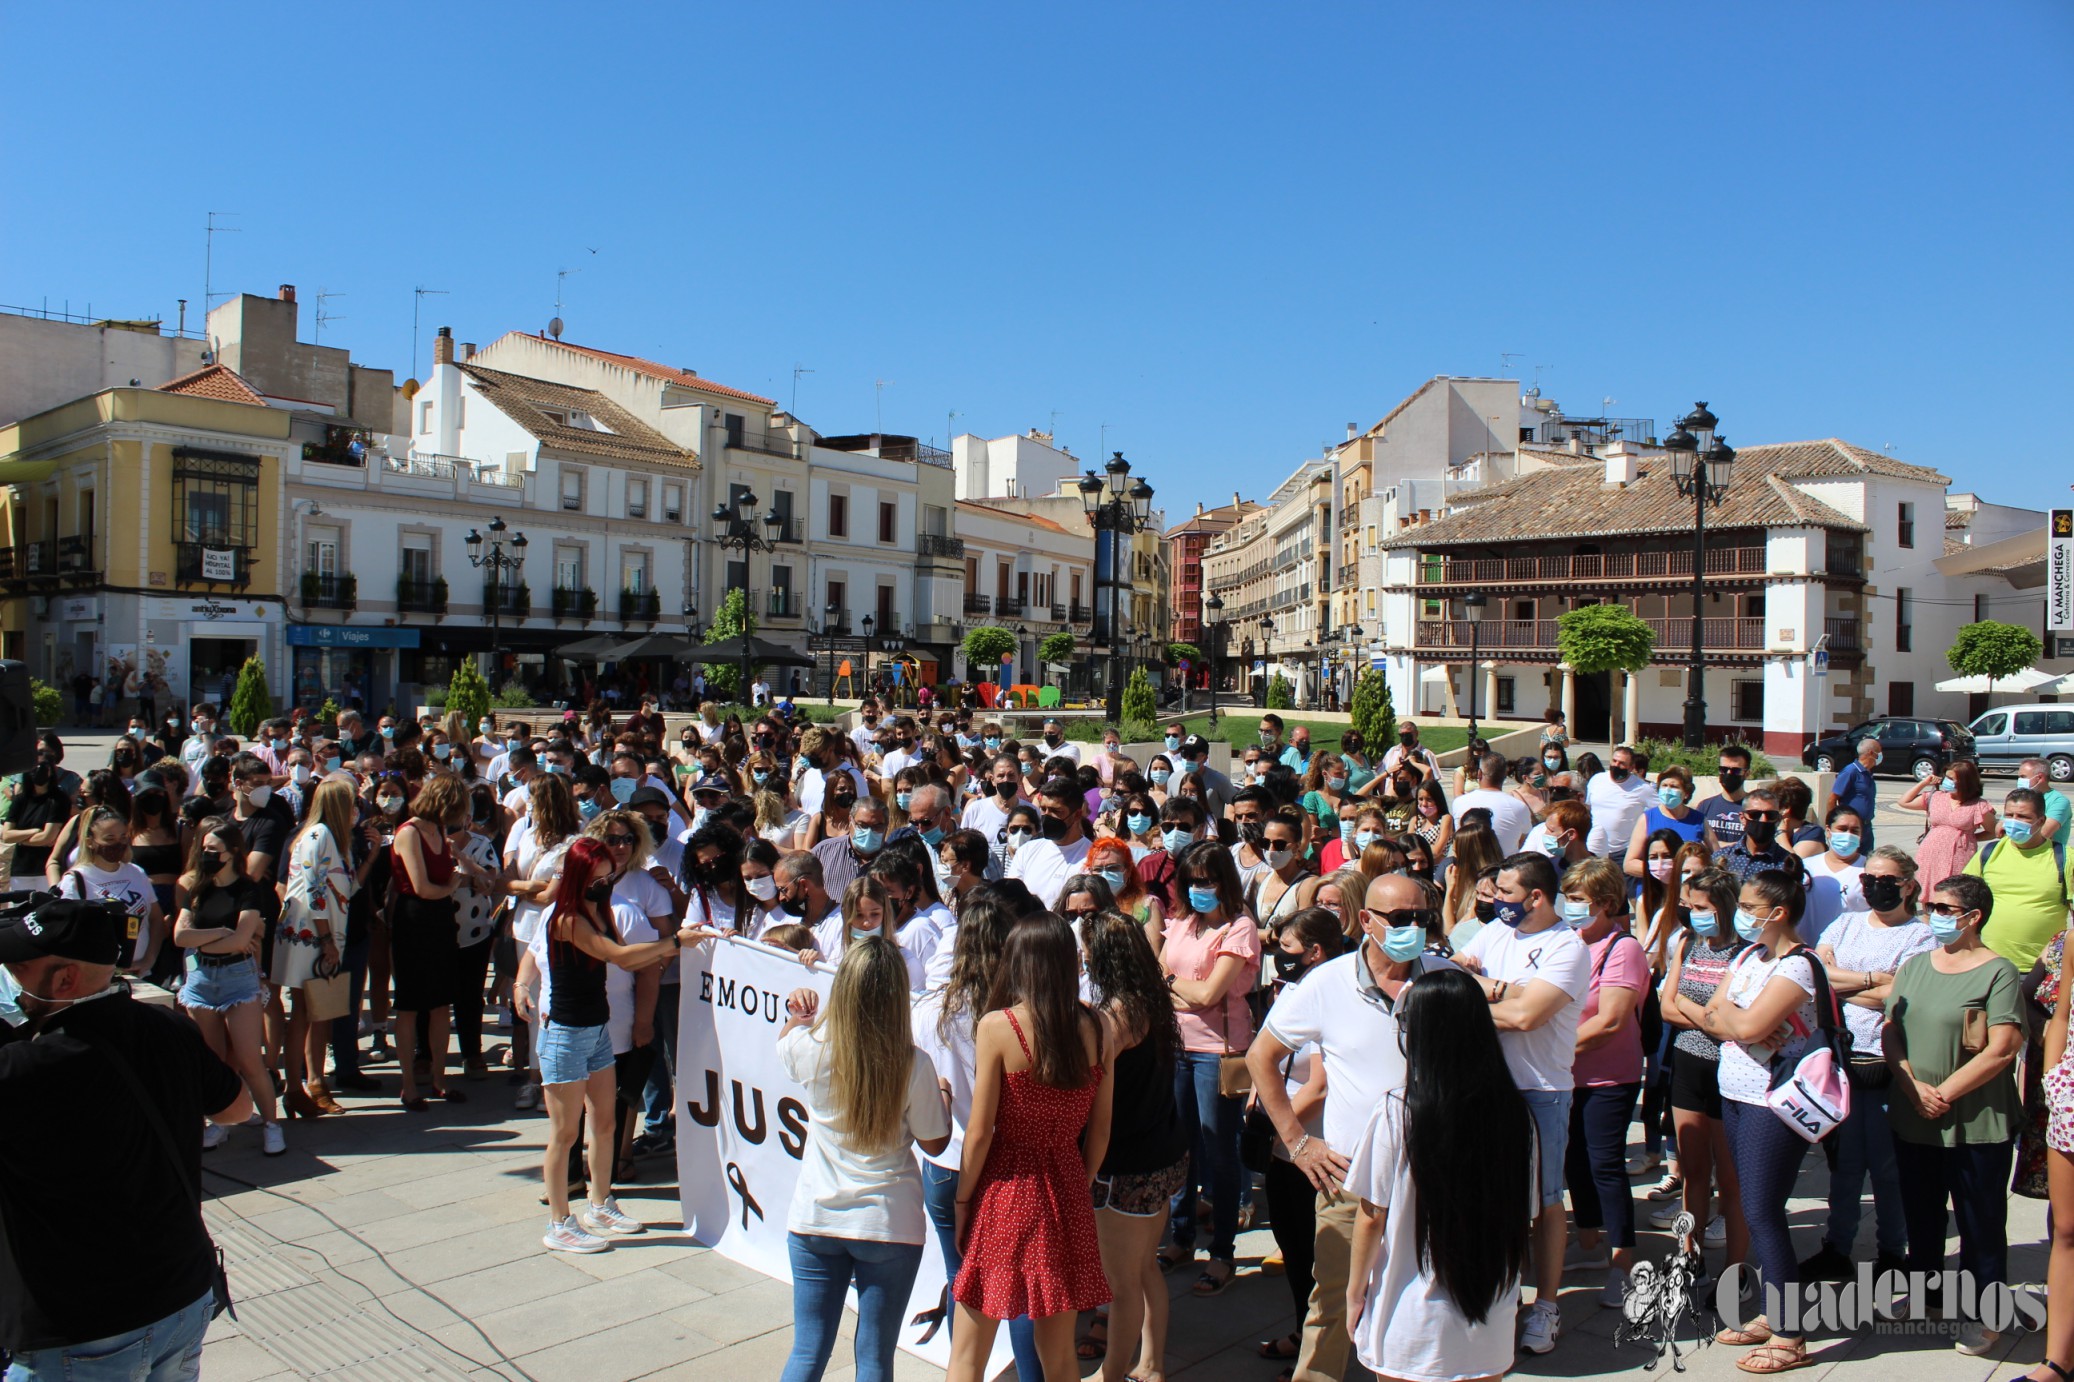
x=33, y=818
x=72, y=1134
x=269, y=828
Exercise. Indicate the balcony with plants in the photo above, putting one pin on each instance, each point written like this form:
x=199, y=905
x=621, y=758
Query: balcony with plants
x=330, y=591
x=640, y=606
x=416, y=595
x=575, y=604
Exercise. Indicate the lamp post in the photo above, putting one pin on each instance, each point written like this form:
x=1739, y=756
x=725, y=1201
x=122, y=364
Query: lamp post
x=1214, y=622
x=736, y=528
x=1267, y=653
x=1120, y=507
x=828, y=637
x=1700, y=463
x=1473, y=605
x=1353, y=634
x=497, y=561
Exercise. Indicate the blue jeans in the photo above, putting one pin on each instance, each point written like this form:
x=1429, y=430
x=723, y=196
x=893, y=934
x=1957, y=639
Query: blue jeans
x=1210, y=1126
x=1865, y=1147
x=658, y=1118
x=1767, y=1155
x=940, y=1197
x=822, y=1269
x=167, y=1350
x=1595, y=1162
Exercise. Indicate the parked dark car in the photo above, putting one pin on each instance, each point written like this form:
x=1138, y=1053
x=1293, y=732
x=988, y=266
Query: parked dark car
x=1909, y=747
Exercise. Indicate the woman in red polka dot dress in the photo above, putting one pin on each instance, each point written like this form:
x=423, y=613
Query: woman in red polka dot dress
x=1037, y=1135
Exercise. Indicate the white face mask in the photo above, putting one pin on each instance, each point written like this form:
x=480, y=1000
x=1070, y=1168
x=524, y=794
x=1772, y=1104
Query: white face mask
x=1278, y=856
x=764, y=889
x=260, y=795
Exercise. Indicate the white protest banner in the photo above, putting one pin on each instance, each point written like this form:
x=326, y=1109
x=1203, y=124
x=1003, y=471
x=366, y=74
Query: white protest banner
x=742, y=1127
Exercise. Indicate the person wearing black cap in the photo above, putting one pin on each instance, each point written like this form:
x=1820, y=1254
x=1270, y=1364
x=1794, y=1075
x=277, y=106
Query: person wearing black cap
x=100, y=1097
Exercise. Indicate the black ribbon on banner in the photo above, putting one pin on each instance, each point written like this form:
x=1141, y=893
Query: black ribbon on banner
x=740, y=1185
x=932, y=1319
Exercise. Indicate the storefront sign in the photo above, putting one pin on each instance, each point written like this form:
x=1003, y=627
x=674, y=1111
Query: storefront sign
x=347, y=636
x=80, y=608
x=210, y=609
x=2059, y=571
x=219, y=564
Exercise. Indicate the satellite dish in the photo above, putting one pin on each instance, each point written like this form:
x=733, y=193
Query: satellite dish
x=411, y=387
x=554, y=328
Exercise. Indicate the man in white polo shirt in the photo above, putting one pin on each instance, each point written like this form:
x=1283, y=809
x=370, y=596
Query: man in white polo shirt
x=1617, y=798
x=1348, y=1008
x=1536, y=971
x=1510, y=819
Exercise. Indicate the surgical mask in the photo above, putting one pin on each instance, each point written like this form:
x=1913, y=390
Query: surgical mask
x=558, y=769
x=1346, y=829
x=1017, y=839
x=388, y=731
x=933, y=836
x=483, y=726
x=763, y=889
x=1138, y=823
x=1883, y=890
x=260, y=795
x=1403, y=943
x=1161, y=776
x=299, y=774
x=1174, y=841
x=280, y=745
x=760, y=776
x=1113, y=877
x=391, y=806
x=514, y=742
x=1187, y=767
x=903, y=798
x=1554, y=765
x=1279, y=857
x=1334, y=784
x=1758, y=835
x=332, y=765
x=1748, y=926
x=866, y=840
x=1173, y=744
x=1511, y=913
x=1671, y=797
x=863, y=933
x=1202, y=900
x=1945, y=929
x=623, y=789
x=1950, y=784
x=1551, y=844
x=1845, y=842
x=1364, y=838
x=1660, y=869
x=1702, y=923
x=993, y=741
x=2018, y=832
x=1575, y=911
x=442, y=751
x=588, y=809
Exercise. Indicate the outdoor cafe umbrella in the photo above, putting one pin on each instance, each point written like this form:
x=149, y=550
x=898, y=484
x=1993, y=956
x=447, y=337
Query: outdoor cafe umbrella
x=599, y=647
x=665, y=645
x=750, y=649
x=2029, y=679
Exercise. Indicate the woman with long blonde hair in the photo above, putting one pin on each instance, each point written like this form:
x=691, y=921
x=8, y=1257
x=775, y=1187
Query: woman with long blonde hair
x=857, y=1210
x=1475, y=849
x=307, y=939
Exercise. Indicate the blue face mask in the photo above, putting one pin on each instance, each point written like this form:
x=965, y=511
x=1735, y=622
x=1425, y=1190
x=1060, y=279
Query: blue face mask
x=1161, y=776
x=933, y=836
x=1951, y=784
x=1703, y=923
x=623, y=789
x=588, y=809
x=388, y=731
x=1671, y=797
x=1945, y=929
x=1138, y=823
x=1748, y=926
x=1113, y=877
x=1174, y=840
x=331, y=765
x=1511, y=913
x=1845, y=842
x=1173, y=744
x=760, y=776
x=1574, y=911
x=866, y=839
x=556, y=769
x=1363, y=838
x=903, y=798
x=2018, y=832
x=1403, y=943
x=863, y=933
x=993, y=741
x=442, y=751
x=1346, y=830
x=1202, y=900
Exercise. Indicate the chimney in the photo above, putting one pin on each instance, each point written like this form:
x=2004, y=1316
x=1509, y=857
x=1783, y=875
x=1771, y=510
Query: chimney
x=1353, y=430
x=1622, y=465
x=443, y=346
x=287, y=292
x=1576, y=444
x=467, y=350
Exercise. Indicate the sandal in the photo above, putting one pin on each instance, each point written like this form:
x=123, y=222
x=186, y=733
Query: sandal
x=1095, y=1345
x=1756, y=1332
x=415, y=1104
x=1774, y=1357
x=1170, y=1258
x=1213, y=1282
x=1288, y=1346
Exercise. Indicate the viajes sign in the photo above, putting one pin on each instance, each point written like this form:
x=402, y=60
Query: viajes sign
x=742, y=1127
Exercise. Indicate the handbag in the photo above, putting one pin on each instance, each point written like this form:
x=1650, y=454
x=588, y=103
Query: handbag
x=1973, y=1031
x=1234, y=1080
x=1811, y=1094
x=328, y=992
x=1257, y=1132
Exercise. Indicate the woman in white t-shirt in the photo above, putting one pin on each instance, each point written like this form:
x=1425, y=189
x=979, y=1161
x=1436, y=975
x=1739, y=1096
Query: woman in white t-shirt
x=1433, y=1283
x=857, y=1210
x=104, y=870
x=533, y=854
x=1764, y=1010
x=1834, y=887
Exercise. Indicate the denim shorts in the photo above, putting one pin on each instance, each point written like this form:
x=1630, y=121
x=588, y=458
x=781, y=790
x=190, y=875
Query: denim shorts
x=1551, y=1110
x=571, y=1055
x=219, y=988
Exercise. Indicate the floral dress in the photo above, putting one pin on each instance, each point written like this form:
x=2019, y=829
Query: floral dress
x=313, y=902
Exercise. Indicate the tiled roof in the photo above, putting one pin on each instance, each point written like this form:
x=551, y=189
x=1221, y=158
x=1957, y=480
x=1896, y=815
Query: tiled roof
x=215, y=381
x=1036, y=520
x=523, y=401
x=1952, y=547
x=1576, y=502
x=1214, y=520
x=669, y=374
x=1808, y=460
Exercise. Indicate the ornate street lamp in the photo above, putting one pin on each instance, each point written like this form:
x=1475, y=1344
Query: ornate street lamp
x=497, y=562
x=1119, y=507
x=1700, y=464
x=1214, y=621
x=735, y=528
x=1473, y=605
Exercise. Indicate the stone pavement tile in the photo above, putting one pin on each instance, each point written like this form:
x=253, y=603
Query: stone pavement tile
x=422, y=1226
x=467, y=1340
x=469, y=1252
x=712, y=1273
x=744, y=1313
x=364, y=1207
x=635, y=1254
x=628, y=1351
x=760, y=1357
x=434, y=1191
x=512, y=1283
x=239, y=1360
x=596, y=1308
x=327, y=1250
x=290, y=1223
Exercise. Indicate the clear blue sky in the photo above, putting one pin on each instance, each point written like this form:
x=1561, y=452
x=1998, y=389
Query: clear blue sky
x=1225, y=231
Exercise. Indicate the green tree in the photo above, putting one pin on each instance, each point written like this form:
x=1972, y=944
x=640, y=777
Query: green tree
x=1994, y=650
x=1139, y=703
x=1279, y=696
x=984, y=648
x=1372, y=712
x=467, y=694
x=327, y=713
x=1057, y=647
x=731, y=620
x=1177, y=653
x=1603, y=638
x=50, y=703
x=250, y=705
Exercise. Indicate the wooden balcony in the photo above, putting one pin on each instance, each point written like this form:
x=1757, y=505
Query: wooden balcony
x=1538, y=636
x=1590, y=568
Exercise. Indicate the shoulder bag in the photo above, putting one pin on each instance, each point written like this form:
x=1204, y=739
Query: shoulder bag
x=1811, y=1094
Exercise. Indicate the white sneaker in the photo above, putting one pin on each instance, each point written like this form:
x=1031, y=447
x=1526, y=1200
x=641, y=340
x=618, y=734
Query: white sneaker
x=1544, y=1327
x=609, y=1218
x=271, y=1140
x=1643, y=1162
x=1666, y=1214
x=568, y=1236
x=213, y=1135
x=1977, y=1341
x=1614, y=1293
x=1717, y=1231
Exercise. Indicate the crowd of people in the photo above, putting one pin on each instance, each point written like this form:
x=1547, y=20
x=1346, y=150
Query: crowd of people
x=1124, y=1010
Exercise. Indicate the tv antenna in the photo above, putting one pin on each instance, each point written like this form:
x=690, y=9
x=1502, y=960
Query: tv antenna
x=1537, y=376
x=210, y=231
x=950, y=426
x=1055, y=427
x=797, y=370
x=561, y=274
x=418, y=296
x=323, y=316
x=1505, y=359
x=879, y=385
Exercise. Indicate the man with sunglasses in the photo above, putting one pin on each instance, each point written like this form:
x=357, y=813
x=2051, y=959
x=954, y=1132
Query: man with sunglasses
x=1347, y=1009
x=1759, y=849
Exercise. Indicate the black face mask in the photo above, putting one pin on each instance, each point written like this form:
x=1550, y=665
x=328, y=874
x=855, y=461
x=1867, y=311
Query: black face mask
x=842, y=803
x=1289, y=968
x=1731, y=779
x=1054, y=828
x=209, y=861
x=1759, y=835
x=792, y=906
x=598, y=892
x=1004, y=790
x=1617, y=773
x=1486, y=911
x=657, y=831
x=1253, y=832
x=1882, y=891
x=1407, y=739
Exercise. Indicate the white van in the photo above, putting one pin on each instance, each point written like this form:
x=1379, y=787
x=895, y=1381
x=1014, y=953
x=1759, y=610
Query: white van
x=2008, y=734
